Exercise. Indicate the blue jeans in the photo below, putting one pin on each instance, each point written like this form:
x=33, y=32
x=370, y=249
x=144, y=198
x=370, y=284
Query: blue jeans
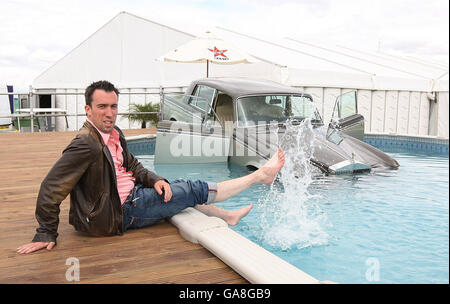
x=145, y=207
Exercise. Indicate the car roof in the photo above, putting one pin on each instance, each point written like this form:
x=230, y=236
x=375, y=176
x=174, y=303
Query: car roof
x=236, y=87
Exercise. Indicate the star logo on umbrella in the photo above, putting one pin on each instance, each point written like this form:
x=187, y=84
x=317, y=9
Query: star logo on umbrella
x=218, y=52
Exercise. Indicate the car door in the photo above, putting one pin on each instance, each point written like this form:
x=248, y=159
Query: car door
x=194, y=139
x=345, y=116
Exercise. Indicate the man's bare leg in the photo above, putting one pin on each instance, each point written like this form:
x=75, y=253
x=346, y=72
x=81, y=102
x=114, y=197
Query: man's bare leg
x=265, y=175
x=231, y=217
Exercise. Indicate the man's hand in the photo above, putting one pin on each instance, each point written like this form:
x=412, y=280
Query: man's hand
x=161, y=186
x=31, y=247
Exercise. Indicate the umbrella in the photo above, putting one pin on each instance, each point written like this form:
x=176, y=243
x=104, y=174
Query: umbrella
x=208, y=49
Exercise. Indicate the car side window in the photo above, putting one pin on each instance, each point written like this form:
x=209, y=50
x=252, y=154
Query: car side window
x=205, y=94
x=346, y=105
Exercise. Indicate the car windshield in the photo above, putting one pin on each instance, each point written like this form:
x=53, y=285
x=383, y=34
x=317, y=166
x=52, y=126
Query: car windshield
x=265, y=109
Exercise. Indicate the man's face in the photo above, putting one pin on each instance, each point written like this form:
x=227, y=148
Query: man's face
x=103, y=110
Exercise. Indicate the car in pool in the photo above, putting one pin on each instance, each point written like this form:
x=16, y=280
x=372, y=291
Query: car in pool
x=243, y=121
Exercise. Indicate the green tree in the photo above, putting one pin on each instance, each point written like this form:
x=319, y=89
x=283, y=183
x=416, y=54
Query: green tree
x=143, y=118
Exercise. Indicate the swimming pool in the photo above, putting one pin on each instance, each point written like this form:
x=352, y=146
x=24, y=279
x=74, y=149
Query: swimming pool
x=387, y=226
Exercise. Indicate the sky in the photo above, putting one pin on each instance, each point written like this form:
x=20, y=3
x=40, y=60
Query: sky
x=36, y=34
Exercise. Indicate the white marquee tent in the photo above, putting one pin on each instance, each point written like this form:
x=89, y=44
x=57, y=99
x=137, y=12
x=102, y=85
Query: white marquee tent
x=395, y=94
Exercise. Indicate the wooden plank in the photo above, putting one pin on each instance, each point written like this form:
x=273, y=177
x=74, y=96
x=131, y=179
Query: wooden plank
x=210, y=276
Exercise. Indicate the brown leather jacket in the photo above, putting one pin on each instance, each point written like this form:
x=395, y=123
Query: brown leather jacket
x=86, y=171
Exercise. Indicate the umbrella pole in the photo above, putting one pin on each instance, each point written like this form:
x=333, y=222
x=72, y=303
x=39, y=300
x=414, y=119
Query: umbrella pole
x=207, y=68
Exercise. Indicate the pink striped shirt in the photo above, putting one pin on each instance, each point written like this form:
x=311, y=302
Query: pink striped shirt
x=125, y=180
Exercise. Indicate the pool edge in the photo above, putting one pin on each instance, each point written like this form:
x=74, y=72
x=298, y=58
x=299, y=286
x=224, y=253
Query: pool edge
x=251, y=261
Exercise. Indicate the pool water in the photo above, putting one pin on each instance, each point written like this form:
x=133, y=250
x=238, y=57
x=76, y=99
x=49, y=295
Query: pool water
x=388, y=226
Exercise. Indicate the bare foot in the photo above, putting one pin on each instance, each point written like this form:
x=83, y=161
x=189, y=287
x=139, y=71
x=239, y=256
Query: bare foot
x=272, y=167
x=235, y=216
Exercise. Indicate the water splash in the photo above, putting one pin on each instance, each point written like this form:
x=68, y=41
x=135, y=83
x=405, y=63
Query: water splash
x=289, y=214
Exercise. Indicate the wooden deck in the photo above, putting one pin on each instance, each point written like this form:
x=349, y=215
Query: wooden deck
x=156, y=254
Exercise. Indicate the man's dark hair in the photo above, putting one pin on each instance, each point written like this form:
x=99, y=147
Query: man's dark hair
x=99, y=85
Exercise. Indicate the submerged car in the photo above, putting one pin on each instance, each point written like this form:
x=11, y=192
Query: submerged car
x=241, y=121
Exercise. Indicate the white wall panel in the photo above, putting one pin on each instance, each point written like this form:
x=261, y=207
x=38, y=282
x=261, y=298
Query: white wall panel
x=60, y=103
x=364, y=105
x=70, y=100
x=378, y=105
x=433, y=124
x=124, y=100
x=79, y=99
x=403, y=112
x=390, y=122
x=424, y=117
x=414, y=106
x=443, y=114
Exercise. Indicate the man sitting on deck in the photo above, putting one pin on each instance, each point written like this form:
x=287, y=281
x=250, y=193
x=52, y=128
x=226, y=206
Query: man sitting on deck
x=111, y=192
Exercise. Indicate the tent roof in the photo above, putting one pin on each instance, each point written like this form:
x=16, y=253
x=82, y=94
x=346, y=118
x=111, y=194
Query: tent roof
x=367, y=69
x=124, y=51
